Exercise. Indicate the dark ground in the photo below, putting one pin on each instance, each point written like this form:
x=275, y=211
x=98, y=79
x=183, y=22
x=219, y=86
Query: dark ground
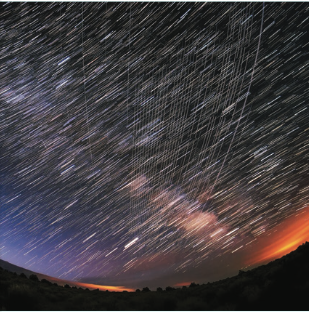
x=282, y=284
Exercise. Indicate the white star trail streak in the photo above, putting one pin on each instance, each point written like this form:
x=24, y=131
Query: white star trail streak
x=141, y=133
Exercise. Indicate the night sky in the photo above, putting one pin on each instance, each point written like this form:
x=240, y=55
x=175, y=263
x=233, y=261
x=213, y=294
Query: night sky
x=152, y=144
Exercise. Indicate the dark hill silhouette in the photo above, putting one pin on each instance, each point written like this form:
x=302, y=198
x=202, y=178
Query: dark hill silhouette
x=14, y=268
x=19, y=270
x=61, y=282
x=282, y=284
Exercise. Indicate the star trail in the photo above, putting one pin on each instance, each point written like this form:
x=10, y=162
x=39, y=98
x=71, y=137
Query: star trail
x=146, y=140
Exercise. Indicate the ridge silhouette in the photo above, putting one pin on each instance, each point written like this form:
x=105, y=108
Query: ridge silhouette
x=282, y=284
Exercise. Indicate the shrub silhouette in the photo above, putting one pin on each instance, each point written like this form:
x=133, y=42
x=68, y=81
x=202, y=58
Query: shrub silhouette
x=67, y=286
x=169, y=288
x=46, y=282
x=251, y=293
x=21, y=297
x=169, y=303
x=23, y=275
x=194, y=304
x=34, y=278
x=146, y=289
x=159, y=289
x=137, y=290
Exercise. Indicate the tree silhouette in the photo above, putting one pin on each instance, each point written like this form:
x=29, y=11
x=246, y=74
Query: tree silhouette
x=23, y=275
x=169, y=288
x=45, y=281
x=193, y=284
x=34, y=278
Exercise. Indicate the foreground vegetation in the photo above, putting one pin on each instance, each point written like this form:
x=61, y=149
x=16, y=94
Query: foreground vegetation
x=282, y=284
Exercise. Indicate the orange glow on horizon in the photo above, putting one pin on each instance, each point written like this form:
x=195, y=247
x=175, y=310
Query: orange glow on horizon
x=104, y=287
x=285, y=238
x=182, y=284
x=62, y=282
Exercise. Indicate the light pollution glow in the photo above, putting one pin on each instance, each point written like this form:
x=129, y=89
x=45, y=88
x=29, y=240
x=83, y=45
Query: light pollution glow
x=62, y=282
x=104, y=287
x=284, y=238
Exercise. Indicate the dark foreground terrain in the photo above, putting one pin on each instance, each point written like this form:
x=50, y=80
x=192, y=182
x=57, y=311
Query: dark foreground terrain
x=282, y=284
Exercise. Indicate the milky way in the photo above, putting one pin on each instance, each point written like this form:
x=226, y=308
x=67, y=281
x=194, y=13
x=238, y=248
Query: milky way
x=149, y=138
